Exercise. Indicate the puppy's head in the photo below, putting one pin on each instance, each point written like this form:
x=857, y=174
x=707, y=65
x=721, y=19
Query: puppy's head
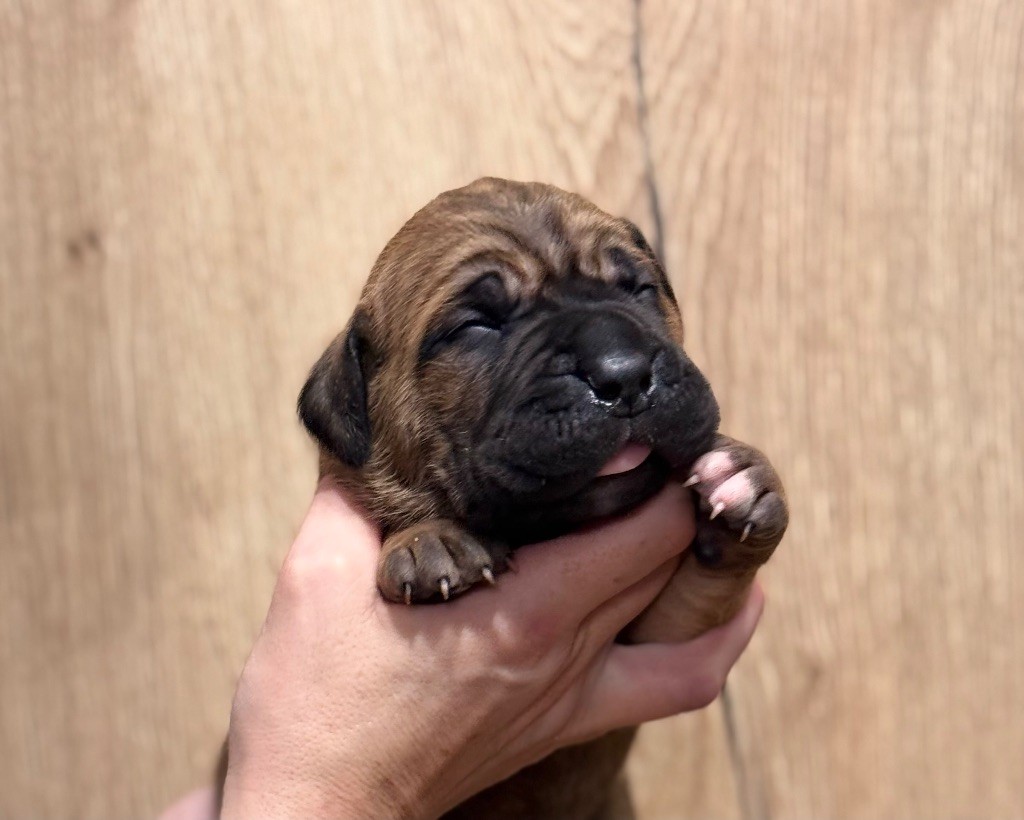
x=510, y=340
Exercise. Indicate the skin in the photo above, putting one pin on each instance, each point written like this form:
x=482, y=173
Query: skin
x=353, y=707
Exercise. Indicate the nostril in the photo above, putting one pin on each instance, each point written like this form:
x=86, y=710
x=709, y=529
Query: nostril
x=606, y=391
x=619, y=378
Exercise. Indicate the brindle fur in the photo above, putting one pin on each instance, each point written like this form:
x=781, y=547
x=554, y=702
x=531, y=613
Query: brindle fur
x=402, y=468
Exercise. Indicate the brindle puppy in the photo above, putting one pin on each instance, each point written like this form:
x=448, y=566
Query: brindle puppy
x=511, y=339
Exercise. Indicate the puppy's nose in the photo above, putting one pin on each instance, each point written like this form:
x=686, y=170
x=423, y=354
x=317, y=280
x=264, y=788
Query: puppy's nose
x=615, y=359
x=619, y=375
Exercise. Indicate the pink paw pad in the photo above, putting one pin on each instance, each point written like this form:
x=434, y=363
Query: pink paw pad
x=735, y=488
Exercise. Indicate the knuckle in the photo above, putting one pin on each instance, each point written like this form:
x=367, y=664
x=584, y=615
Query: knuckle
x=542, y=632
x=308, y=573
x=526, y=640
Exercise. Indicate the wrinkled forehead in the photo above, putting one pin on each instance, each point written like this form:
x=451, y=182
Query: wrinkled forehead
x=528, y=249
x=528, y=241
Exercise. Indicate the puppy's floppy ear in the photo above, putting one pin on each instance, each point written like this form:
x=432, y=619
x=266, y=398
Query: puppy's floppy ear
x=332, y=404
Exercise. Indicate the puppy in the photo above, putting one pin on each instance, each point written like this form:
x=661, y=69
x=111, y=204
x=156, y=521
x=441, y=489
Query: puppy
x=511, y=341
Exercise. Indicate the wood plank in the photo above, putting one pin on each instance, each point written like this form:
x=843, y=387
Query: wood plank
x=192, y=195
x=843, y=195
x=681, y=767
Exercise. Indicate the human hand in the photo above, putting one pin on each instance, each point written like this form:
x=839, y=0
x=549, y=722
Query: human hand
x=352, y=707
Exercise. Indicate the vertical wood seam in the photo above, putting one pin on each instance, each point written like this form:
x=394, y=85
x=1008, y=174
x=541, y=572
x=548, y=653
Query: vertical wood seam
x=650, y=182
x=751, y=801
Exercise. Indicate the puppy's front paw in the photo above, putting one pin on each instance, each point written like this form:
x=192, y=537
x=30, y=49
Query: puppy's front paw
x=435, y=561
x=742, y=505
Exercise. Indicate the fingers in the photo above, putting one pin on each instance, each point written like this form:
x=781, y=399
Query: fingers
x=562, y=581
x=574, y=574
x=608, y=620
x=578, y=573
x=646, y=682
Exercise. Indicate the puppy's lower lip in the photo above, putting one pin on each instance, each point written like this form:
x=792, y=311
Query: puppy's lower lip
x=628, y=458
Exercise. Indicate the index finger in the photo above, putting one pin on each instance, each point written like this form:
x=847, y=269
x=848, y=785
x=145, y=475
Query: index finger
x=583, y=570
x=336, y=539
x=580, y=571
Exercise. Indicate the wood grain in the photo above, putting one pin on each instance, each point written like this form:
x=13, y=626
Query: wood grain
x=842, y=186
x=192, y=194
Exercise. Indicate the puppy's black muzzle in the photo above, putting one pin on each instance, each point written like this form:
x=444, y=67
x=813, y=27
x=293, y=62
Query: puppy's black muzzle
x=584, y=384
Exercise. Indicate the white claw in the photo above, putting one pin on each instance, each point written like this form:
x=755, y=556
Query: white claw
x=746, y=530
x=488, y=575
x=694, y=479
x=445, y=588
x=407, y=589
x=716, y=510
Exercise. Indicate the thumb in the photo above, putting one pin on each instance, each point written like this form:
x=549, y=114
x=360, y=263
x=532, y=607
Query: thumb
x=644, y=682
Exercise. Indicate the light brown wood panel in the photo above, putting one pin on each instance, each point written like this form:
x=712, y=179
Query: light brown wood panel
x=192, y=195
x=843, y=194
x=682, y=767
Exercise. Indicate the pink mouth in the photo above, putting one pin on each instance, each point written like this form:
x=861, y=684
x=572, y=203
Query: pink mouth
x=628, y=458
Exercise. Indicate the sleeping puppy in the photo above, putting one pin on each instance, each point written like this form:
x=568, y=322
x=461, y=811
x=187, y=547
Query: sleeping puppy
x=515, y=369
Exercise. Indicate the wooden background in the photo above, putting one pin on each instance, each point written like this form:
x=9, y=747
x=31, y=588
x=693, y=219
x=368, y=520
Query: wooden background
x=191, y=194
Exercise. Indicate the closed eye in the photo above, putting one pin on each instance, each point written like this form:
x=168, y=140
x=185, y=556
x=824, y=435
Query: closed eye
x=638, y=288
x=476, y=323
x=469, y=328
x=632, y=277
x=484, y=311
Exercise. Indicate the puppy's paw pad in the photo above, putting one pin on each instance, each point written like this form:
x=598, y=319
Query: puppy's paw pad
x=436, y=561
x=740, y=491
